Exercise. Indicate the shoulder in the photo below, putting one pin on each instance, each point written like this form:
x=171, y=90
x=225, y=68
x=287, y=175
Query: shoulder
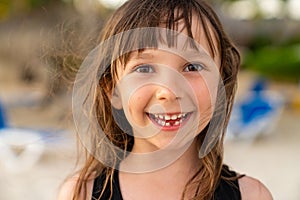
x=67, y=189
x=253, y=189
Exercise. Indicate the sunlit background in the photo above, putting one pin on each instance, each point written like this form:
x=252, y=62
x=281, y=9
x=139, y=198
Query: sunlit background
x=42, y=42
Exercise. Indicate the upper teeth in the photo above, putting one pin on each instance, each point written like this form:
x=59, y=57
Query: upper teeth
x=170, y=117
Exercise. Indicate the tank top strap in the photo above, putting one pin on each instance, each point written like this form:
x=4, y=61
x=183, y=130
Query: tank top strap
x=228, y=186
x=115, y=193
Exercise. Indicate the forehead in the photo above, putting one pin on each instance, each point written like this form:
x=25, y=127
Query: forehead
x=179, y=41
x=187, y=39
x=178, y=34
x=163, y=52
x=203, y=34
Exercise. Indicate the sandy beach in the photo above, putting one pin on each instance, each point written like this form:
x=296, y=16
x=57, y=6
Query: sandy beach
x=274, y=159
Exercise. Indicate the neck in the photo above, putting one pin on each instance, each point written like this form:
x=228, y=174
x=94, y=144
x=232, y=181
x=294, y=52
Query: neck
x=168, y=182
x=185, y=165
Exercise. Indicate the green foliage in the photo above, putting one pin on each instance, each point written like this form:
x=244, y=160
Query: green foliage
x=260, y=40
x=282, y=63
x=4, y=8
x=12, y=8
x=37, y=3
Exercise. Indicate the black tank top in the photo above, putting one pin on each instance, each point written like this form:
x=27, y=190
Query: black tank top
x=226, y=190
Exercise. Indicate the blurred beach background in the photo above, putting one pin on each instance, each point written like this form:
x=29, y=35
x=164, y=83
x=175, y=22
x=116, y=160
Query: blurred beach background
x=42, y=41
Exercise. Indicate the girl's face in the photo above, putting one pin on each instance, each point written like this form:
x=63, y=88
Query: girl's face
x=168, y=93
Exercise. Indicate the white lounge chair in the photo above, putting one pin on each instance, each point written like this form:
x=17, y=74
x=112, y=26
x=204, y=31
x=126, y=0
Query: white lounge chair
x=20, y=148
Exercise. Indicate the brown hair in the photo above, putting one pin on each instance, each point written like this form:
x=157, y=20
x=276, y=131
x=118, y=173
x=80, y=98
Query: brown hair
x=153, y=13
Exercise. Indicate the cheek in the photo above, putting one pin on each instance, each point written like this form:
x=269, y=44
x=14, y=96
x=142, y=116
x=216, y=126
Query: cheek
x=205, y=97
x=138, y=101
x=135, y=104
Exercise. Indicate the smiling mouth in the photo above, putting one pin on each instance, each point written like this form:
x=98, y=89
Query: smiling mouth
x=169, y=120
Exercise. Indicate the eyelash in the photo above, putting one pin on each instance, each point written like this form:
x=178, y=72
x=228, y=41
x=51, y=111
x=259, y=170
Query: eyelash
x=199, y=67
x=139, y=69
x=146, y=68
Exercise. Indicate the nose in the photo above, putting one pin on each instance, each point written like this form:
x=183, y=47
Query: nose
x=166, y=94
x=168, y=85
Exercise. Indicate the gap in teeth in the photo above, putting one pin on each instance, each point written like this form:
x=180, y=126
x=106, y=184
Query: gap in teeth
x=164, y=120
x=169, y=117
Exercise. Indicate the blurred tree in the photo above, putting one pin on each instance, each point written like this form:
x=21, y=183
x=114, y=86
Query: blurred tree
x=5, y=6
x=50, y=34
x=74, y=39
x=14, y=8
x=276, y=62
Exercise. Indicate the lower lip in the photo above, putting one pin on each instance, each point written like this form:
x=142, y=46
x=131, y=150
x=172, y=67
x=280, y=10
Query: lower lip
x=172, y=127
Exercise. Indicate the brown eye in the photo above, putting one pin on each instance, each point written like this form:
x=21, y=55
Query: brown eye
x=192, y=67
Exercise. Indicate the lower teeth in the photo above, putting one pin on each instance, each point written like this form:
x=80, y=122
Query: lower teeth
x=163, y=123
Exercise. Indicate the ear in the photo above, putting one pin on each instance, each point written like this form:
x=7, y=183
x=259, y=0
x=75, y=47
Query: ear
x=115, y=99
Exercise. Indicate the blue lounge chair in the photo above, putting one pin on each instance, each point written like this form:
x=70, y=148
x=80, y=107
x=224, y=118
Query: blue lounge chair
x=3, y=121
x=256, y=113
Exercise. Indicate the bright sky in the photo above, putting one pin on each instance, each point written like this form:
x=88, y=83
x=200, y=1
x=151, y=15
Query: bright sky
x=271, y=8
x=112, y=3
x=294, y=8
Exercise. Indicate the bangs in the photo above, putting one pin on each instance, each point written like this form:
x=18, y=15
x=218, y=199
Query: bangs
x=138, y=40
x=163, y=14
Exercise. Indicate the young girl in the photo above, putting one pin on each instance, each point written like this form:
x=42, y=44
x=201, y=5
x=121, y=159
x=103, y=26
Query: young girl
x=151, y=104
